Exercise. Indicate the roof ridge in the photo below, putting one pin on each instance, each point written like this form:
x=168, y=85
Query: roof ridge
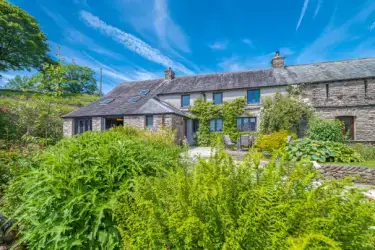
x=250, y=70
x=342, y=60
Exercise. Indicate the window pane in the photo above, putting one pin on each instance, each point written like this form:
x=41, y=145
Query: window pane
x=185, y=101
x=246, y=123
x=149, y=121
x=257, y=96
x=253, y=96
x=219, y=125
x=212, y=125
x=218, y=98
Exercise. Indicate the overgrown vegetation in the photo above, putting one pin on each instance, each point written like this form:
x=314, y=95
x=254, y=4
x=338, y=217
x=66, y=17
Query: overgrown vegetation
x=366, y=151
x=321, y=151
x=322, y=129
x=273, y=141
x=219, y=205
x=65, y=198
x=229, y=111
x=283, y=112
x=35, y=118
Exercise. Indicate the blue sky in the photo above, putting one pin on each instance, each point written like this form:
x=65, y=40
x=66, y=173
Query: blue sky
x=138, y=39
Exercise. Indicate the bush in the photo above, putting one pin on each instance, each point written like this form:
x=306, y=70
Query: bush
x=65, y=199
x=283, y=112
x=216, y=204
x=37, y=118
x=321, y=151
x=321, y=129
x=273, y=141
x=366, y=151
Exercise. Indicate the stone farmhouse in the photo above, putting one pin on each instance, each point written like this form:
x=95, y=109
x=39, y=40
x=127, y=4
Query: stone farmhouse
x=342, y=90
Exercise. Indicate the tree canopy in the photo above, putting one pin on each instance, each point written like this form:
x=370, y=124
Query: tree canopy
x=68, y=78
x=58, y=79
x=22, y=43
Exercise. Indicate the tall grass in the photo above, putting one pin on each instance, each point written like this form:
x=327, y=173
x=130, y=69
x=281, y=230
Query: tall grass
x=66, y=198
x=217, y=204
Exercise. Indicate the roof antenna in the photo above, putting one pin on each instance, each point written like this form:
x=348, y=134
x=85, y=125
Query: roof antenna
x=101, y=82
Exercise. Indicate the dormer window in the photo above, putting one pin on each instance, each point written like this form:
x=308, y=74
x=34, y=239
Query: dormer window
x=144, y=92
x=134, y=99
x=105, y=101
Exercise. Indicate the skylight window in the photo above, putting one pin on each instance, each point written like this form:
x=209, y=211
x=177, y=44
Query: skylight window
x=144, y=92
x=134, y=99
x=105, y=101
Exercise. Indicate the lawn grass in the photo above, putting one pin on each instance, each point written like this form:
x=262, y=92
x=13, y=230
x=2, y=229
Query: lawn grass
x=369, y=164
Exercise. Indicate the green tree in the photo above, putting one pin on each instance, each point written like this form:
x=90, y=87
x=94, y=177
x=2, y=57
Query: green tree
x=69, y=78
x=21, y=83
x=79, y=79
x=283, y=112
x=22, y=43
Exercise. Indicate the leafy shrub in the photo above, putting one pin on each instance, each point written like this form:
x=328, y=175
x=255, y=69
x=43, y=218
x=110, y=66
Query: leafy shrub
x=12, y=162
x=321, y=129
x=39, y=118
x=65, y=199
x=273, y=141
x=366, y=151
x=321, y=151
x=283, y=112
x=216, y=204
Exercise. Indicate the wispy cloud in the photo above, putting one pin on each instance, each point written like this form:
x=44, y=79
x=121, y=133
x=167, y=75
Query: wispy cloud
x=318, y=6
x=132, y=43
x=238, y=63
x=303, y=11
x=372, y=26
x=334, y=36
x=219, y=45
x=74, y=36
x=248, y=42
x=166, y=29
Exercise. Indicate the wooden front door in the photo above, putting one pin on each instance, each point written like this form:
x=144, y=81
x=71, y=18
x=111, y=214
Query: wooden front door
x=348, y=126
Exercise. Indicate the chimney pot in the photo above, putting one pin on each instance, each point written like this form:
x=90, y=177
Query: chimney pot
x=278, y=61
x=169, y=74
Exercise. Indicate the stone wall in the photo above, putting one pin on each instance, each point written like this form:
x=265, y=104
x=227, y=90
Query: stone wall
x=341, y=93
x=68, y=127
x=135, y=121
x=354, y=98
x=97, y=124
x=365, y=175
x=168, y=120
x=178, y=123
x=364, y=120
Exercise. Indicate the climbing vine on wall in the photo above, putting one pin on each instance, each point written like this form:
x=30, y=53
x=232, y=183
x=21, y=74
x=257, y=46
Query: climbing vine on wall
x=229, y=111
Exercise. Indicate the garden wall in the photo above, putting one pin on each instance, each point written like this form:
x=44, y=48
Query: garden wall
x=366, y=175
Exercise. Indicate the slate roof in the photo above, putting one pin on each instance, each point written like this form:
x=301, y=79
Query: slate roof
x=121, y=95
x=155, y=106
x=304, y=73
x=307, y=73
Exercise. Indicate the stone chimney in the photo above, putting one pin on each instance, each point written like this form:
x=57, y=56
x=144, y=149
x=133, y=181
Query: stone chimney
x=169, y=74
x=278, y=61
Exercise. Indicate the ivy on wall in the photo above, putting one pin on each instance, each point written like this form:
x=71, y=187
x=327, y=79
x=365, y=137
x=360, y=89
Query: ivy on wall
x=229, y=111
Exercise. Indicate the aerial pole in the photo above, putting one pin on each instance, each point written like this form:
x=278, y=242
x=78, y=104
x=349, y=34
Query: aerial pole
x=101, y=81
